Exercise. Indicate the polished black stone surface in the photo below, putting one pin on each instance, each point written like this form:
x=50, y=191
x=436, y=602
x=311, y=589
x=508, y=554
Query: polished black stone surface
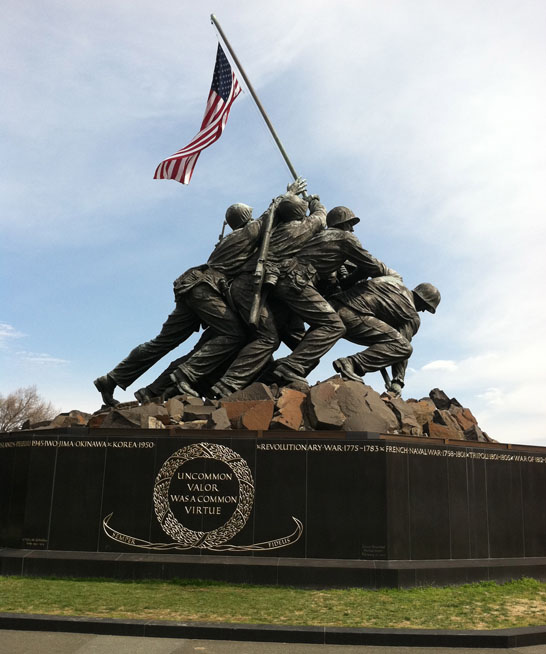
x=398, y=507
x=533, y=483
x=127, y=497
x=287, y=475
x=283, y=495
x=429, y=507
x=7, y=486
x=17, y=493
x=77, y=493
x=479, y=509
x=505, y=511
x=459, y=509
x=38, y=503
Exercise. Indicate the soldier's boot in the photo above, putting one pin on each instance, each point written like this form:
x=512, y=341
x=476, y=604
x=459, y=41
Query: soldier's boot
x=283, y=374
x=106, y=387
x=346, y=369
x=221, y=390
x=143, y=396
x=170, y=391
x=182, y=383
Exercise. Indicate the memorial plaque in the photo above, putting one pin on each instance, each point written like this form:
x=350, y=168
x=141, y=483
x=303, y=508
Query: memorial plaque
x=203, y=499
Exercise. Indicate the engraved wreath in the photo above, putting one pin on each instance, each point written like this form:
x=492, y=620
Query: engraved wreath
x=176, y=530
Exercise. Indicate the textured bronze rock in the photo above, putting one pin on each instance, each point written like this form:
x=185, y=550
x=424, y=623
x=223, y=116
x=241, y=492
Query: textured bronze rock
x=436, y=430
x=218, y=419
x=70, y=419
x=423, y=410
x=332, y=405
x=364, y=409
x=464, y=417
x=175, y=409
x=444, y=417
x=258, y=410
x=440, y=399
x=257, y=417
x=407, y=422
x=323, y=408
x=474, y=433
x=255, y=391
x=154, y=423
x=289, y=410
x=192, y=412
x=134, y=417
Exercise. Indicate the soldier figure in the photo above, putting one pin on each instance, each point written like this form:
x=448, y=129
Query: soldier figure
x=318, y=258
x=258, y=351
x=382, y=314
x=198, y=299
x=230, y=252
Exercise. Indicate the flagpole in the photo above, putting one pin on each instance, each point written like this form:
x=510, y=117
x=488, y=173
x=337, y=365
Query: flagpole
x=255, y=97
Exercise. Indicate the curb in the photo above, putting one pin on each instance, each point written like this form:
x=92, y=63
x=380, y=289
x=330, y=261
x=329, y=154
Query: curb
x=497, y=638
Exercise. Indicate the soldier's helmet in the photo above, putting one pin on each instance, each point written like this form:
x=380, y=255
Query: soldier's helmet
x=238, y=215
x=339, y=215
x=429, y=294
x=291, y=207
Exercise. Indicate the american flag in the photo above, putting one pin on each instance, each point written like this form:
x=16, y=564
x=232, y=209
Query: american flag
x=223, y=91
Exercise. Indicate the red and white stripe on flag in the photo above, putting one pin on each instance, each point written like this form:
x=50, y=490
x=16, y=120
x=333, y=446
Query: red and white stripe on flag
x=224, y=89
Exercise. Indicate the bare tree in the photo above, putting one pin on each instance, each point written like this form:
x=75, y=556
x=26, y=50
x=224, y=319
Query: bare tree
x=21, y=405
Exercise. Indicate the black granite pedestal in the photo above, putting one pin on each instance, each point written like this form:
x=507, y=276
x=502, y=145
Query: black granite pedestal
x=307, y=508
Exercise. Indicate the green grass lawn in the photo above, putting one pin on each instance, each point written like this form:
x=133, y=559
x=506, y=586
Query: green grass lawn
x=484, y=605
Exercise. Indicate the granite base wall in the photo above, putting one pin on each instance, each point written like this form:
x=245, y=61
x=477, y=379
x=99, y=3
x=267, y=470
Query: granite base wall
x=352, y=501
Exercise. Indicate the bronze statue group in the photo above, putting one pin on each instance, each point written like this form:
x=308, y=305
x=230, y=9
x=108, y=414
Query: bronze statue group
x=296, y=274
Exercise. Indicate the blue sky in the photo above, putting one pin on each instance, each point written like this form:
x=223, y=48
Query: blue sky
x=426, y=118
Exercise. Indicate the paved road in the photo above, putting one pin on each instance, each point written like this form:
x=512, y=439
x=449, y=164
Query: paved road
x=41, y=642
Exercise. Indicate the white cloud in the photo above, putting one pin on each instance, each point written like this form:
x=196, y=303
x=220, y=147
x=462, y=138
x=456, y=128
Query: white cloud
x=440, y=365
x=41, y=358
x=7, y=333
x=492, y=396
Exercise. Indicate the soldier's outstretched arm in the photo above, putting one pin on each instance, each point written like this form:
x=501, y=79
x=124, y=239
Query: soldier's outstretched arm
x=367, y=264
